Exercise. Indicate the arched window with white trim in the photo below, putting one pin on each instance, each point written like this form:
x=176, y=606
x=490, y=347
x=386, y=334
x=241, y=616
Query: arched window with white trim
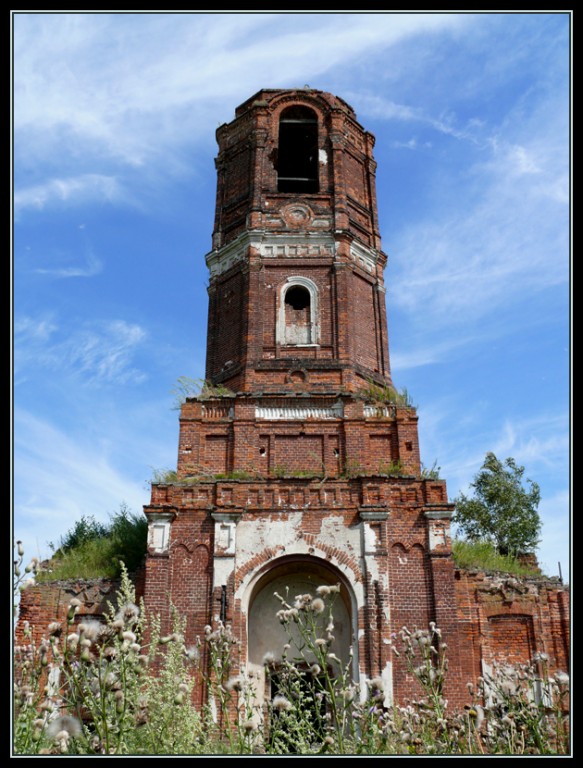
x=297, y=323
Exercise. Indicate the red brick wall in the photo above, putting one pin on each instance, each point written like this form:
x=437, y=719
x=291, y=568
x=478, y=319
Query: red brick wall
x=509, y=619
x=45, y=602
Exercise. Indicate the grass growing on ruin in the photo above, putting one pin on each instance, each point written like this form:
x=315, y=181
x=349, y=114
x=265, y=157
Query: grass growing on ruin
x=123, y=687
x=484, y=556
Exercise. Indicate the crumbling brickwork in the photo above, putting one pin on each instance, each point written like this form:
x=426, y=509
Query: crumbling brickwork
x=48, y=601
x=508, y=620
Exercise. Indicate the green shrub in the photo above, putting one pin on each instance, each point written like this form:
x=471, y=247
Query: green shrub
x=97, y=550
x=84, y=530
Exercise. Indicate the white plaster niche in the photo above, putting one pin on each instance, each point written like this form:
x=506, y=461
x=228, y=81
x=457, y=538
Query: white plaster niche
x=159, y=531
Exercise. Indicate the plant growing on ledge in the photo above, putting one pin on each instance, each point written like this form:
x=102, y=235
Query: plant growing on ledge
x=187, y=387
x=352, y=468
x=432, y=473
x=282, y=471
x=385, y=394
x=236, y=474
x=391, y=468
x=164, y=476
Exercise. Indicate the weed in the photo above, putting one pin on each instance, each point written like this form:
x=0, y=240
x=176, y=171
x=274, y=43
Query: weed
x=385, y=394
x=119, y=687
x=203, y=389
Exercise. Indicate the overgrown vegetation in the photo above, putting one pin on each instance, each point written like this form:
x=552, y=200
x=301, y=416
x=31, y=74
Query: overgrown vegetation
x=164, y=476
x=385, y=394
x=353, y=468
x=187, y=387
x=90, y=688
x=430, y=473
x=483, y=556
x=91, y=549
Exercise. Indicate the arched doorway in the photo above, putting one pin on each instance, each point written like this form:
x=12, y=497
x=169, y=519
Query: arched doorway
x=329, y=607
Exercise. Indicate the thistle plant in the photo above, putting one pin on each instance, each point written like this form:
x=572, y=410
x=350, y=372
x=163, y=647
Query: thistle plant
x=120, y=687
x=232, y=720
x=525, y=708
x=312, y=711
x=426, y=659
x=23, y=575
x=166, y=719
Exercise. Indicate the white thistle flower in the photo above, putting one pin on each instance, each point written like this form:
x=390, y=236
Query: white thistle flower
x=281, y=704
x=66, y=724
x=317, y=605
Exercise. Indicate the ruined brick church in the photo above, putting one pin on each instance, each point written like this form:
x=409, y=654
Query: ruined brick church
x=299, y=463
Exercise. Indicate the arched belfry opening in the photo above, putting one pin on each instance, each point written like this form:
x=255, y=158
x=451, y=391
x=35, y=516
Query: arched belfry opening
x=297, y=163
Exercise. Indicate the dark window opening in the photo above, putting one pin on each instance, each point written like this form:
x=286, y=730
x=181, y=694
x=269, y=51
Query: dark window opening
x=298, y=320
x=297, y=298
x=297, y=158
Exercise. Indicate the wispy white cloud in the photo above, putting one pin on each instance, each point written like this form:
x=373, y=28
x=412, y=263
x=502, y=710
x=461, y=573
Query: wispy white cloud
x=536, y=442
x=382, y=108
x=136, y=87
x=492, y=227
x=428, y=352
x=106, y=356
x=539, y=442
x=102, y=353
x=92, y=266
x=29, y=329
x=32, y=336
x=508, y=236
x=78, y=190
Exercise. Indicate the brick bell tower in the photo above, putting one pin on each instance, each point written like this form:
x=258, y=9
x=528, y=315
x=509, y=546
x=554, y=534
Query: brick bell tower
x=298, y=465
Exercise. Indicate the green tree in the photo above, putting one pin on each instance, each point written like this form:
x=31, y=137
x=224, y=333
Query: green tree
x=503, y=509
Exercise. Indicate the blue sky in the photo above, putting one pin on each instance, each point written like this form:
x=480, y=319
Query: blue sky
x=114, y=119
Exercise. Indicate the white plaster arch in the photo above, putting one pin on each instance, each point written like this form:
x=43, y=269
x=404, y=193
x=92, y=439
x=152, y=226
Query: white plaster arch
x=282, y=331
